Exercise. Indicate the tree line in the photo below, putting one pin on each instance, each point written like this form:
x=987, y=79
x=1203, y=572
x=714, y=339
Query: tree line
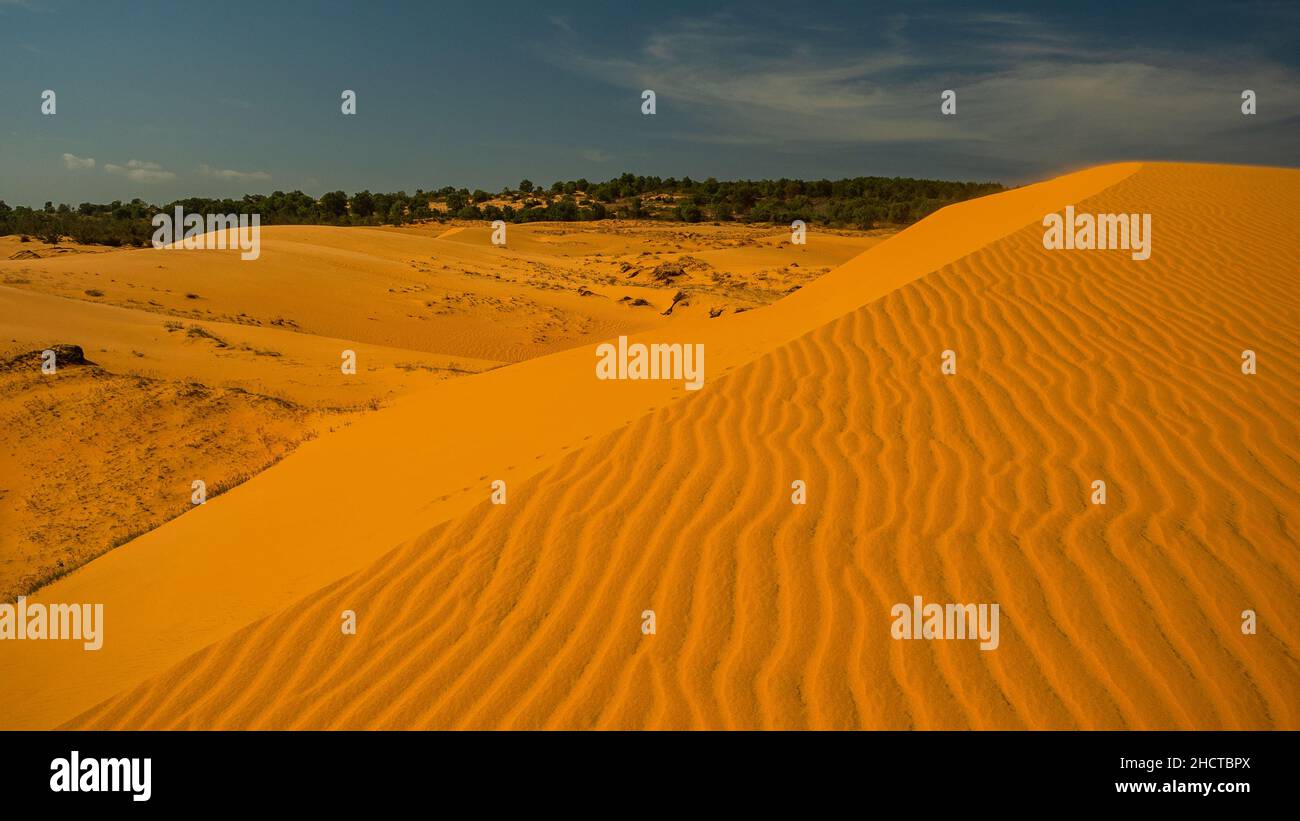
x=859, y=202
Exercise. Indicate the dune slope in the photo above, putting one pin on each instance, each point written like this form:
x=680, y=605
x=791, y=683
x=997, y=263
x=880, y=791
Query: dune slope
x=1073, y=366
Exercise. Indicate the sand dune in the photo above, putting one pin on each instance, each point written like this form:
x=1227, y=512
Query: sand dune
x=423, y=461
x=101, y=452
x=437, y=290
x=368, y=285
x=972, y=487
x=253, y=342
x=275, y=361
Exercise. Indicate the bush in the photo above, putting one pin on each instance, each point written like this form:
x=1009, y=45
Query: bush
x=689, y=212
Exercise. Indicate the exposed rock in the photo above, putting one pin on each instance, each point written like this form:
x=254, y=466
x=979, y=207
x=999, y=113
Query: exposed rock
x=63, y=355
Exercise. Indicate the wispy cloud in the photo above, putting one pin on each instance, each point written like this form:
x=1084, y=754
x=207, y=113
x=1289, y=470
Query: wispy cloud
x=1025, y=90
x=25, y=5
x=595, y=155
x=75, y=163
x=139, y=171
x=232, y=175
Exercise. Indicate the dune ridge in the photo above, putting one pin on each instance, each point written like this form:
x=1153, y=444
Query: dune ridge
x=964, y=488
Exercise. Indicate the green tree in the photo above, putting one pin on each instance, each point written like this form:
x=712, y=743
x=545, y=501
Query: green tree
x=334, y=204
x=689, y=212
x=363, y=204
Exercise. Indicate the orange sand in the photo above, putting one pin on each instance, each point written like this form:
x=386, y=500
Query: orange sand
x=203, y=366
x=628, y=496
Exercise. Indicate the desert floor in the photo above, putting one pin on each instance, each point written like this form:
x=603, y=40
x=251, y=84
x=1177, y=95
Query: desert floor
x=200, y=366
x=1073, y=366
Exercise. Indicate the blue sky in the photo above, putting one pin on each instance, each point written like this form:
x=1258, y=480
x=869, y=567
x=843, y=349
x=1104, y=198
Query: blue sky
x=172, y=100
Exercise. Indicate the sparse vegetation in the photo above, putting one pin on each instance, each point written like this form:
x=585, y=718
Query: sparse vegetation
x=199, y=332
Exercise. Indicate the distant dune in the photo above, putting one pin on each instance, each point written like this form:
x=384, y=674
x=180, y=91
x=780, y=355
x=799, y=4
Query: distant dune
x=974, y=487
x=444, y=291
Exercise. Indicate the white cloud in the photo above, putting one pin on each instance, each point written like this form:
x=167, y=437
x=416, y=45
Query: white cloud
x=595, y=155
x=141, y=171
x=229, y=174
x=75, y=163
